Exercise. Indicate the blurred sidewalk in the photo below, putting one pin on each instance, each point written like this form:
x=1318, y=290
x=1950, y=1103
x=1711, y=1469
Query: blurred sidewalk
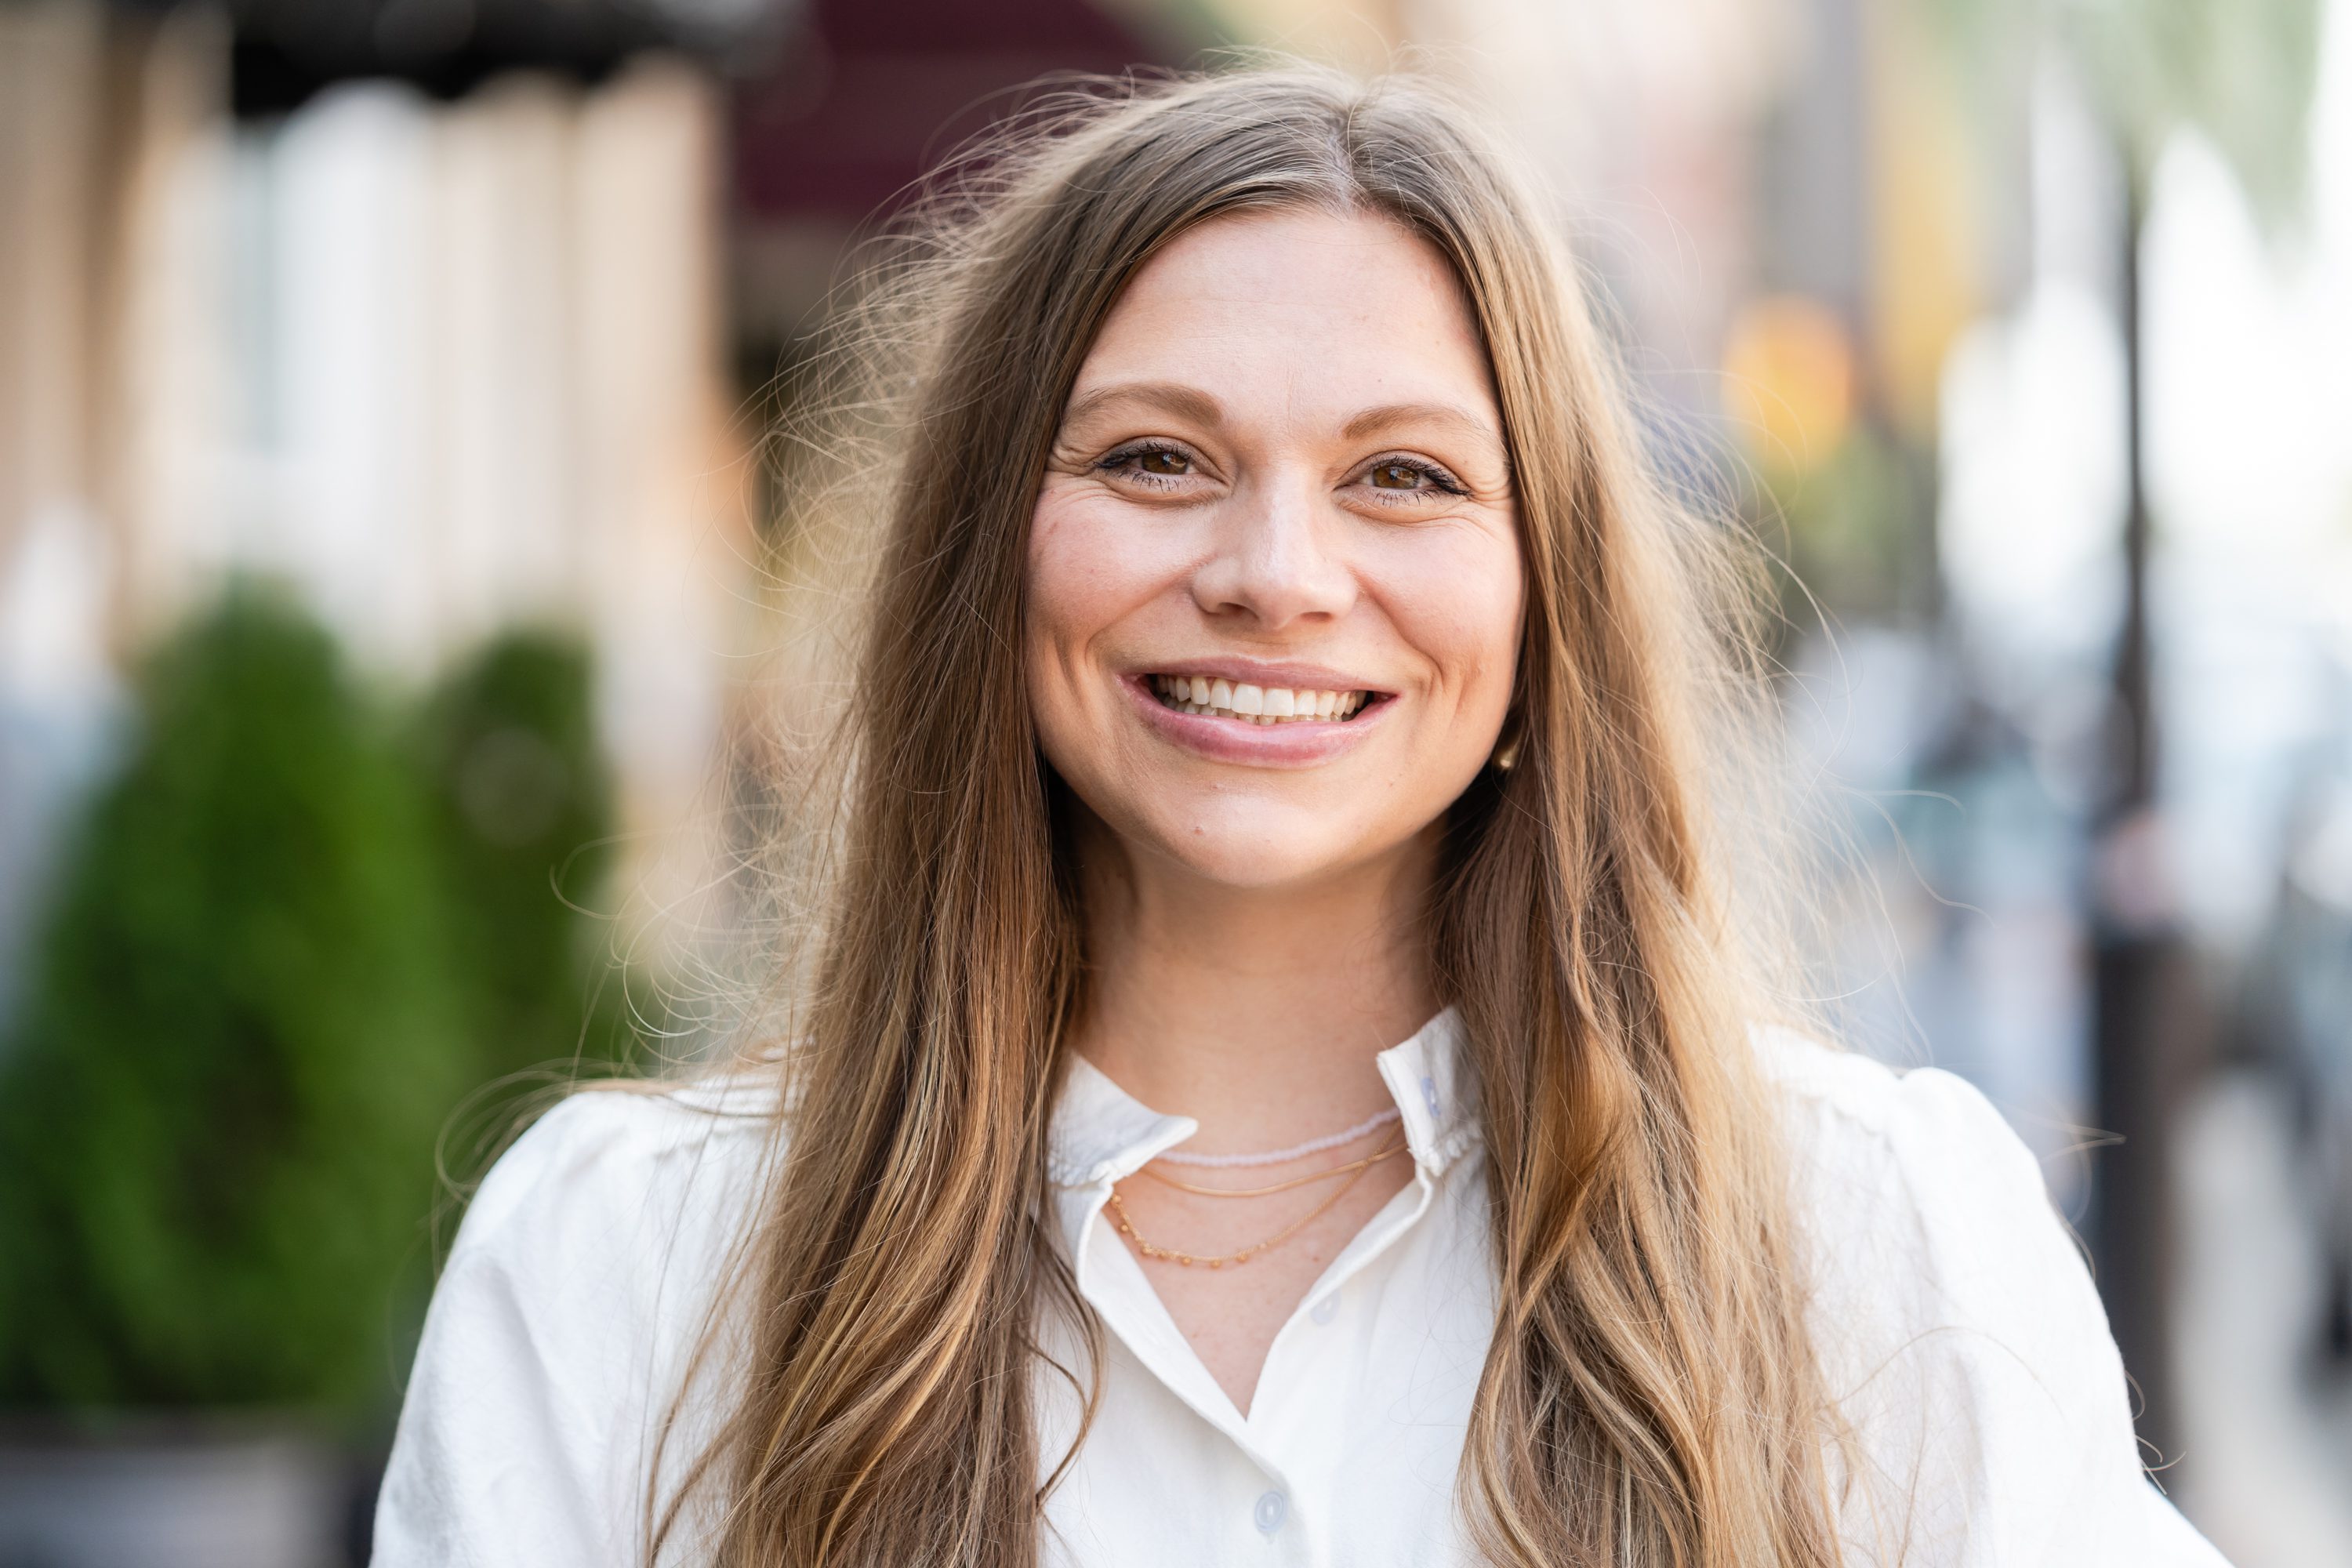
x=2267, y=1467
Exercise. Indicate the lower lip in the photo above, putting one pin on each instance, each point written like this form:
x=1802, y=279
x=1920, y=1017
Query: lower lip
x=1292, y=745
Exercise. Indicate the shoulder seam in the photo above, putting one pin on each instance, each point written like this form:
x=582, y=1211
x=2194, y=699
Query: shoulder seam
x=1852, y=1086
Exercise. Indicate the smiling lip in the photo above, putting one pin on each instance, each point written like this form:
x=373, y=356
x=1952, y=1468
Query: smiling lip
x=1262, y=714
x=1264, y=673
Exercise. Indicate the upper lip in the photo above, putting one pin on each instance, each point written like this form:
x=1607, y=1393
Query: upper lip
x=1257, y=672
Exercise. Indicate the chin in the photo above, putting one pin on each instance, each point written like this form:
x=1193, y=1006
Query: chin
x=1259, y=851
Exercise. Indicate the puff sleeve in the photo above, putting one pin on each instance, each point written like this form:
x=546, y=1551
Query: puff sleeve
x=557, y=1338
x=1960, y=1333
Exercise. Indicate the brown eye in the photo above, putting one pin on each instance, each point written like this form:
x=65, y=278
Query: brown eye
x=1161, y=461
x=1397, y=477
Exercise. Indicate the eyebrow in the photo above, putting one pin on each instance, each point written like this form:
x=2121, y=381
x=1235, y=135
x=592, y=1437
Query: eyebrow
x=1374, y=421
x=1191, y=403
x=1186, y=402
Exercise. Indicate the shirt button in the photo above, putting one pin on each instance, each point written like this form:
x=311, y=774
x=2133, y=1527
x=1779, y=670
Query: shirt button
x=1271, y=1509
x=1326, y=1309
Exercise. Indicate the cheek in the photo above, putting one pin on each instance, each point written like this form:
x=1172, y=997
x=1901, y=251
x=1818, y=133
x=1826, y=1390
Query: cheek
x=1085, y=573
x=1085, y=579
x=1462, y=607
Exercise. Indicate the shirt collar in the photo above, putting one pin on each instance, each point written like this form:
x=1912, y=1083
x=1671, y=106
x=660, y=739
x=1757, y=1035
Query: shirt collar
x=1102, y=1134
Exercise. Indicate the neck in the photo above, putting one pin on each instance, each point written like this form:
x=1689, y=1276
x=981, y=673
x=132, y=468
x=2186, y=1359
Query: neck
x=1256, y=1011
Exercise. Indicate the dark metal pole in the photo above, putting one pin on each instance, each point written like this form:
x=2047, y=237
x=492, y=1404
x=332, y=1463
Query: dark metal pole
x=2143, y=1015
x=2134, y=753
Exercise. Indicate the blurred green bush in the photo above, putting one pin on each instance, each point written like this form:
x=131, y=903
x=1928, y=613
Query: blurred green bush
x=296, y=931
x=521, y=810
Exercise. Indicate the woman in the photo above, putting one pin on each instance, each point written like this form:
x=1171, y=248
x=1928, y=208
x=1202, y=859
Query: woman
x=1284, y=1078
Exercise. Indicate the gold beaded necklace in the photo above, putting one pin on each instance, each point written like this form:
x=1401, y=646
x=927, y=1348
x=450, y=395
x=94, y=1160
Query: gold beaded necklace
x=1355, y=1172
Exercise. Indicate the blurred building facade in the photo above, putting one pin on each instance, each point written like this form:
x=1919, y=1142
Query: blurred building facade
x=443, y=365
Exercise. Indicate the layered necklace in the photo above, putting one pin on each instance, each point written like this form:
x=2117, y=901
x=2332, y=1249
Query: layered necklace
x=1347, y=1175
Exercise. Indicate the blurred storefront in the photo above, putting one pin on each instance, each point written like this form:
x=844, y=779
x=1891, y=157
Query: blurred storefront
x=444, y=365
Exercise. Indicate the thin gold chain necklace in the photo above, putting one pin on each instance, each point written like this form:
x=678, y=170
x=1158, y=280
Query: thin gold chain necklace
x=1257, y=1248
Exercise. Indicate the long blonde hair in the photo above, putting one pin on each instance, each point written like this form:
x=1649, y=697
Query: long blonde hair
x=1650, y=1398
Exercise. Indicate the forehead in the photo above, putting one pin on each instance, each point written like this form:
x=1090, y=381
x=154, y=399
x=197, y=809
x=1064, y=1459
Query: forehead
x=1316, y=310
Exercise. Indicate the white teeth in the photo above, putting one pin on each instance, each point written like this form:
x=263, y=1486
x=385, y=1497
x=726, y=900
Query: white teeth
x=1255, y=704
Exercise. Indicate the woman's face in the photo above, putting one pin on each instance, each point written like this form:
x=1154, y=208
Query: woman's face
x=1275, y=585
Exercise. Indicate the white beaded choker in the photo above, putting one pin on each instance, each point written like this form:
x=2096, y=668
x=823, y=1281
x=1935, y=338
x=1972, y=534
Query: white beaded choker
x=1284, y=1156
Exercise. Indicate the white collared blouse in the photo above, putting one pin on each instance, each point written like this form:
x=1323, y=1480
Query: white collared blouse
x=1955, y=1321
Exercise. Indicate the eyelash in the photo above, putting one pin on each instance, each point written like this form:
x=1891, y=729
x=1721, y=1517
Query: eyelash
x=1440, y=481
x=1121, y=457
x=1438, y=477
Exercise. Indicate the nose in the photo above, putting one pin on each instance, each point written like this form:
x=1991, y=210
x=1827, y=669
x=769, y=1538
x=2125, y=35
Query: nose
x=1278, y=561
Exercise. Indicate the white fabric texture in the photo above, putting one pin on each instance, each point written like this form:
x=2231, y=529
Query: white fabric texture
x=1954, y=1318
